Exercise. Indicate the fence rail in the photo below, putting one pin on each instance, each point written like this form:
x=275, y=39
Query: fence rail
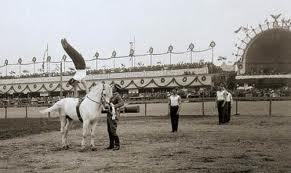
x=194, y=106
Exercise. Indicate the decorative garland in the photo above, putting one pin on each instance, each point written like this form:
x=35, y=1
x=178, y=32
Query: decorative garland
x=164, y=82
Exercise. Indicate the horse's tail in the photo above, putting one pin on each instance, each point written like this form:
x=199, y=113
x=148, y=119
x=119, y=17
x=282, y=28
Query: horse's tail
x=56, y=106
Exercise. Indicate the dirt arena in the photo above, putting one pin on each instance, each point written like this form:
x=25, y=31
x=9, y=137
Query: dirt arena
x=247, y=144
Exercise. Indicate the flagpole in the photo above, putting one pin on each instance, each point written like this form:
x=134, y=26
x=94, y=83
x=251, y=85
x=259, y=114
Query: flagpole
x=61, y=80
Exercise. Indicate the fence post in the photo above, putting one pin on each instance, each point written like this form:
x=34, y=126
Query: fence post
x=236, y=106
x=5, y=112
x=203, y=113
x=49, y=114
x=26, y=111
x=270, y=106
x=145, y=109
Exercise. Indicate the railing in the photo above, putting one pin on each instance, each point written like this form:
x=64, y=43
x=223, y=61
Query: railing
x=267, y=106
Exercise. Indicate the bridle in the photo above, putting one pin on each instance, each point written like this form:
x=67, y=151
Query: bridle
x=102, y=99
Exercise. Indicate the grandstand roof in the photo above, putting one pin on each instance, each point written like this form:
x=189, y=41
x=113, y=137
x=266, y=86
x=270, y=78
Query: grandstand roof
x=269, y=52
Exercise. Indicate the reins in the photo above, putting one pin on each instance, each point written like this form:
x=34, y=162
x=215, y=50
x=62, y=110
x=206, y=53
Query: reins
x=101, y=99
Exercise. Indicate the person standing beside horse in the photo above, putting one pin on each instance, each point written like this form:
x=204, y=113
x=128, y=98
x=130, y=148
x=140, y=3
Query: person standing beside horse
x=116, y=102
x=174, y=106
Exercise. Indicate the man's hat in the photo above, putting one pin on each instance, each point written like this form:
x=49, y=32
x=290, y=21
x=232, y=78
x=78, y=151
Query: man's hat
x=117, y=87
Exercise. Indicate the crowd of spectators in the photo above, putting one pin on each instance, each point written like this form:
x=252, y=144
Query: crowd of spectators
x=263, y=92
x=265, y=71
x=162, y=94
x=211, y=69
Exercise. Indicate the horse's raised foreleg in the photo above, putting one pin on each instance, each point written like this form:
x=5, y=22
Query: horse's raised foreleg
x=84, y=134
x=93, y=134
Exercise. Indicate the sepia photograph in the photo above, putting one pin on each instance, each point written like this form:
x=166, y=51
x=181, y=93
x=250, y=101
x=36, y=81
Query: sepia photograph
x=134, y=86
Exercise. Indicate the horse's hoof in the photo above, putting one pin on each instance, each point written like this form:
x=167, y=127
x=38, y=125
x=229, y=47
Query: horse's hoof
x=65, y=147
x=83, y=149
x=93, y=148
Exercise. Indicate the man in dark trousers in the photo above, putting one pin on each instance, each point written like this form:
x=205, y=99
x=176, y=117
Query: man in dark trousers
x=112, y=118
x=220, y=102
x=174, y=106
x=228, y=106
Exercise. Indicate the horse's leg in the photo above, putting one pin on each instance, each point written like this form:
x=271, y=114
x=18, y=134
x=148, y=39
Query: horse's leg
x=93, y=135
x=68, y=124
x=63, y=124
x=84, y=134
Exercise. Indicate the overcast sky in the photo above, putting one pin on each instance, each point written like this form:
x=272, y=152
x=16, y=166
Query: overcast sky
x=26, y=26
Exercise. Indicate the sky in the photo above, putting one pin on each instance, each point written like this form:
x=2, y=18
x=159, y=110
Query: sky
x=26, y=27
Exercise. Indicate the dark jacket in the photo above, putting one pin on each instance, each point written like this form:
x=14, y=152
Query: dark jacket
x=118, y=103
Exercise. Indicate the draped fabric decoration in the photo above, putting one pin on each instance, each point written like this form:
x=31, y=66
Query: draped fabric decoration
x=125, y=83
x=35, y=87
x=51, y=86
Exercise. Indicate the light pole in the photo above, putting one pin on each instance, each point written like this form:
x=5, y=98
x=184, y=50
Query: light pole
x=151, y=51
x=212, y=45
x=19, y=62
x=131, y=54
x=170, y=50
x=34, y=60
x=191, y=47
x=113, y=56
x=64, y=59
x=96, y=56
x=6, y=64
x=48, y=60
x=61, y=78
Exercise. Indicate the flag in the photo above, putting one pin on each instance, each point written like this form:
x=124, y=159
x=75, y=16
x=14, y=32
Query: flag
x=275, y=17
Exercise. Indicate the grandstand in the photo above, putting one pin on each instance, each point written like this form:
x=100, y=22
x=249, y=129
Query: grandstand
x=266, y=57
x=136, y=83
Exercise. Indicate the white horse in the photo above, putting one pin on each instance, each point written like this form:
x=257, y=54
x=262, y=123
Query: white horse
x=90, y=111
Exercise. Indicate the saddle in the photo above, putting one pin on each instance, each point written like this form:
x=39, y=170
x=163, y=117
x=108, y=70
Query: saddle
x=77, y=110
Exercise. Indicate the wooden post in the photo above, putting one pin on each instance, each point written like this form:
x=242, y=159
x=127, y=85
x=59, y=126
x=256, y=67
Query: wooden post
x=26, y=111
x=270, y=107
x=61, y=79
x=145, y=109
x=5, y=112
x=49, y=114
x=236, y=106
x=203, y=113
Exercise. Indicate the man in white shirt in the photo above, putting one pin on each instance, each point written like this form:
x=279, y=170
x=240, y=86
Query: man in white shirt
x=174, y=106
x=228, y=106
x=220, y=102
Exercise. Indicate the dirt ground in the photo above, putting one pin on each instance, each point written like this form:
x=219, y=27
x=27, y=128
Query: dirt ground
x=247, y=144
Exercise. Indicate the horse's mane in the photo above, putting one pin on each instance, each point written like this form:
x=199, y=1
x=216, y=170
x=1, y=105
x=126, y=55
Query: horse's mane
x=96, y=88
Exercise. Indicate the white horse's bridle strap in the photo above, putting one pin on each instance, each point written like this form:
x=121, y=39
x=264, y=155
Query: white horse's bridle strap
x=93, y=100
x=102, y=100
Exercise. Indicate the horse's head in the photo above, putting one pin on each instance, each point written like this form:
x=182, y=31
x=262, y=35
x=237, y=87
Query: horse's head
x=107, y=92
x=100, y=91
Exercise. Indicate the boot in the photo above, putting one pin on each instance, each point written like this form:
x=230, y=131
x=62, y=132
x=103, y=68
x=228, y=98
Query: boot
x=117, y=144
x=111, y=143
